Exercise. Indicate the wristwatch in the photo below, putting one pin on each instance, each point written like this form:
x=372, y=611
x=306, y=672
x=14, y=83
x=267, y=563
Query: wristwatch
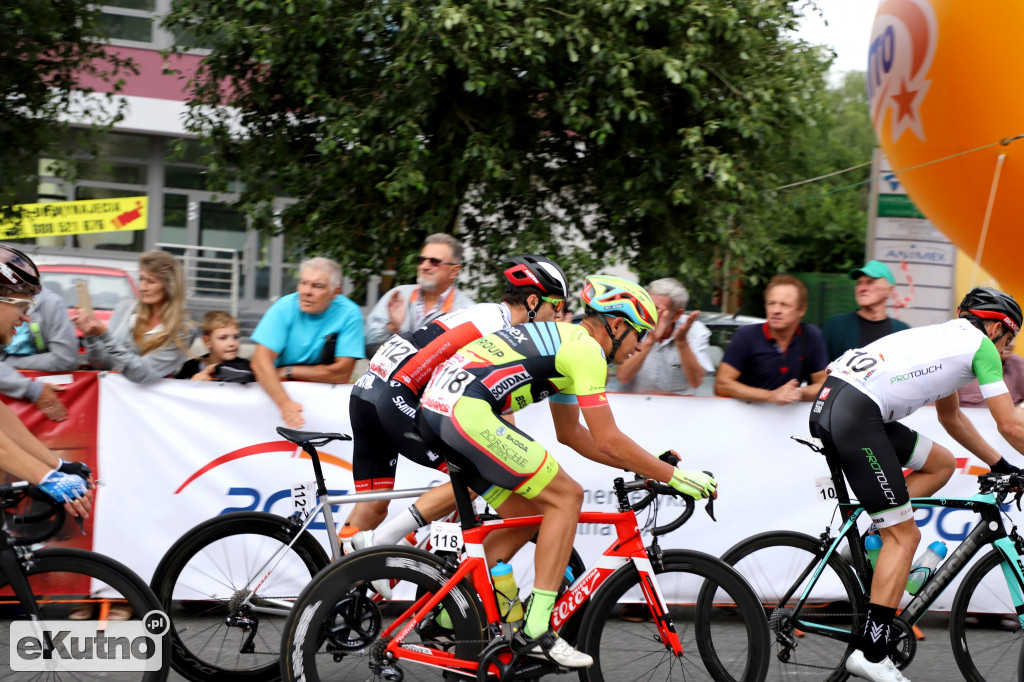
x=288, y=372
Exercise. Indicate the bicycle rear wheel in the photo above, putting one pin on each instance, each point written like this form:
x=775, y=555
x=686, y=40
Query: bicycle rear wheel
x=718, y=619
x=334, y=631
x=69, y=580
x=773, y=565
x=200, y=584
x=983, y=629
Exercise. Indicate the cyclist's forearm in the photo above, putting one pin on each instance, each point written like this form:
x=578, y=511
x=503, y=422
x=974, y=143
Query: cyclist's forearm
x=22, y=438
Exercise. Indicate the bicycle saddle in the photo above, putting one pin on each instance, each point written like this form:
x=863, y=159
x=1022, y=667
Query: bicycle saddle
x=312, y=437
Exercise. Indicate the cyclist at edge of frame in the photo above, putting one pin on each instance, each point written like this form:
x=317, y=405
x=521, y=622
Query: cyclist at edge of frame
x=461, y=412
x=385, y=400
x=21, y=453
x=856, y=415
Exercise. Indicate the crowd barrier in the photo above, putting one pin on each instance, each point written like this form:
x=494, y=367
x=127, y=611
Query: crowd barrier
x=175, y=453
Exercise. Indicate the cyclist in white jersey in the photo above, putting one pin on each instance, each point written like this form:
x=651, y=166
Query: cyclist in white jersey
x=857, y=413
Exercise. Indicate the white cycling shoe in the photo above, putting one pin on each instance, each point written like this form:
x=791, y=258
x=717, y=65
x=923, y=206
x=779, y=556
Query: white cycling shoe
x=551, y=647
x=883, y=671
x=362, y=540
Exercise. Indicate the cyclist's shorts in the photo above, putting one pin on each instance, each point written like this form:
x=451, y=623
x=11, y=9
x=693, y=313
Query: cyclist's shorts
x=384, y=426
x=501, y=454
x=871, y=453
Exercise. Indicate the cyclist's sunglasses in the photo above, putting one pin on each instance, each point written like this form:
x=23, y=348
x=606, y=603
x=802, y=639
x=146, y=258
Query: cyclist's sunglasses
x=24, y=305
x=557, y=303
x=433, y=261
x=640, y=333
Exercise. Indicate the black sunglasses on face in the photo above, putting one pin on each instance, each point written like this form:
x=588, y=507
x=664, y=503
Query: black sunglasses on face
x=433, y=261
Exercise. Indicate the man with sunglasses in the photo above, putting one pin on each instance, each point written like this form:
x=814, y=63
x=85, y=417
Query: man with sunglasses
x=410, y=306
x=21, y=453
x=462, y=416
x=857, y=416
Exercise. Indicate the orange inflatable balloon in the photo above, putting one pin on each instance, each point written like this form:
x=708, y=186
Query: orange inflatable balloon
x=944, y=90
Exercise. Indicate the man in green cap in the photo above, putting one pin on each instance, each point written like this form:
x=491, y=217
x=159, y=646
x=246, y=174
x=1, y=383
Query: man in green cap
x=870, y=322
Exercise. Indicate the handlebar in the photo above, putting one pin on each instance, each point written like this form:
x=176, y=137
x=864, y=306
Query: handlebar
x=654, y=489
x=1002, y=485
x=53, y=514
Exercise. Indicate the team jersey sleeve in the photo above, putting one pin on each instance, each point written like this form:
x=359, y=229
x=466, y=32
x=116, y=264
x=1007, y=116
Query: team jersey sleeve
x=581, y=360
x=988, y=367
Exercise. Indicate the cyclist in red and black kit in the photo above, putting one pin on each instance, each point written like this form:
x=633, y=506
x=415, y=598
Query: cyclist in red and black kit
x=385, y=400
x=21, y=453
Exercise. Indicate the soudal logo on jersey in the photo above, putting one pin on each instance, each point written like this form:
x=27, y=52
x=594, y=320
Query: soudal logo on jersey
x=503, y=381
x=903, y=42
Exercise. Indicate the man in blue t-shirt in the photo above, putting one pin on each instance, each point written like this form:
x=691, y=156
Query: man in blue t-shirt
x=768, y=362
x=315, y=334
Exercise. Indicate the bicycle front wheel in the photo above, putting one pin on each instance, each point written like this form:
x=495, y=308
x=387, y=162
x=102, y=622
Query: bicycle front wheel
x=717, y=617
x=814, y=644
x=85, y=586
x=335, y=631
x=227, y=586
x=983, y=626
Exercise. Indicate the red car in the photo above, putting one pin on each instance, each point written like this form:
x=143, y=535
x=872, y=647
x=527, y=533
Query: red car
x=107, y=286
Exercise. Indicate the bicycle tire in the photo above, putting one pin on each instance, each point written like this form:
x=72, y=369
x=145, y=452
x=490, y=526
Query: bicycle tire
x=121, y=584
x=771, y=563
x=737, y=648
x=323, y=616
x=232, y=547
x=986, y=650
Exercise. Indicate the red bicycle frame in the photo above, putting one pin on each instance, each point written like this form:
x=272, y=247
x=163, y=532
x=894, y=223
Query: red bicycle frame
x=628, y=546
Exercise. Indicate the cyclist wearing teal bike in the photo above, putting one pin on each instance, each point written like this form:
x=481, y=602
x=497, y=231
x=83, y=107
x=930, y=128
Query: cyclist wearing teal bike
x=510, y=369
x=21, y=453
x=857, y=415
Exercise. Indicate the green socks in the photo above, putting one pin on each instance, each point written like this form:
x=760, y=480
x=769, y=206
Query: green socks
x=538, y=614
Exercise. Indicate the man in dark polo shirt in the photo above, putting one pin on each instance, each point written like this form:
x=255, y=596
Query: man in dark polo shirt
x=769, y=362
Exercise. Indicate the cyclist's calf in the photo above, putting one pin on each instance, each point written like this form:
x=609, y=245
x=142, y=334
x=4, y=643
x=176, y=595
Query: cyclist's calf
x=899, y=543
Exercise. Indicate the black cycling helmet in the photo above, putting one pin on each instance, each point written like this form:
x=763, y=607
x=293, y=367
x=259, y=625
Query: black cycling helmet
x=536, y=271
x=18, y=274
x=992, y=304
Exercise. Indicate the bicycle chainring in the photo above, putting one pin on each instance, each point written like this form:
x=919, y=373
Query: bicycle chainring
x=902, y=643
x=354, y=622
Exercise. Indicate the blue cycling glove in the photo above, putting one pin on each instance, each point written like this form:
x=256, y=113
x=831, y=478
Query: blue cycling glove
x=63, y=487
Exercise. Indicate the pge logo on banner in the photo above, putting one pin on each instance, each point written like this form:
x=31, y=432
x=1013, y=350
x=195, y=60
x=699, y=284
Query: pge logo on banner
x=75, y=646
x=903, y=41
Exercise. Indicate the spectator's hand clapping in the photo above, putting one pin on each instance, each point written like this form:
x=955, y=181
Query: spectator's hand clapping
x=291, y=414
x=787, y=393
x=396, y=310
x=681, y=331
x=50, y=405
x=87, y=323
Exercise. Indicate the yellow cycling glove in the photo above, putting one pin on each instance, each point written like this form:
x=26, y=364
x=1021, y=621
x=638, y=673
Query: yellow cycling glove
x=696, y=484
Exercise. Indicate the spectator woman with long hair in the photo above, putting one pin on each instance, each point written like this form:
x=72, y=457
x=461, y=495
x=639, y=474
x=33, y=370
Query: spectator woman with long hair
x=148, y=338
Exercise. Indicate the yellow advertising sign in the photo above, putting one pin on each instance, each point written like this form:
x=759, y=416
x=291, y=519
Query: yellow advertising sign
x=76, y=217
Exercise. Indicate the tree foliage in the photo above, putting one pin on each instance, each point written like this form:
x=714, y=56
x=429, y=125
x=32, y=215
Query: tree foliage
x=835, y=207
x=48, y=48
x=647, y=131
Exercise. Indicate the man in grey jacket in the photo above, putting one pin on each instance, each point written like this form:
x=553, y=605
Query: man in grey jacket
x=47, y=343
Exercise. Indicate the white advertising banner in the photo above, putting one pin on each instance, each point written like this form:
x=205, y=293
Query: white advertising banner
x=176, y=453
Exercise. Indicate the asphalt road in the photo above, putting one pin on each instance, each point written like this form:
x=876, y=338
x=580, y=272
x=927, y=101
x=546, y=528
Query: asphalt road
x=933, y=661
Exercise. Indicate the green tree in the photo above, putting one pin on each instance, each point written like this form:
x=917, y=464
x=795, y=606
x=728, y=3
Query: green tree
x=825, y=222
x=592, y=130
x=49, y=48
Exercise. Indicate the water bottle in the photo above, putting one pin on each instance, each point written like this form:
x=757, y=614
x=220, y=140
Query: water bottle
x=347, y=533
x=507, y=592
x=872, y=546
x=925, y=565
